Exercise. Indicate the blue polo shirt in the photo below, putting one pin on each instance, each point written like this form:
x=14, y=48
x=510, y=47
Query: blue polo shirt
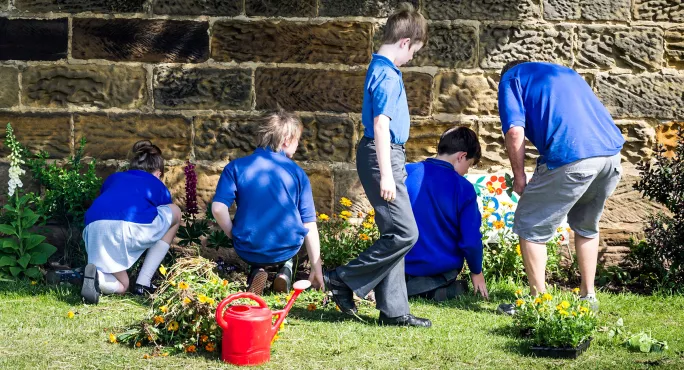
x=561, y=115
x=274, y=200
x=445, y=207
x=384, y=93
x=131, y=196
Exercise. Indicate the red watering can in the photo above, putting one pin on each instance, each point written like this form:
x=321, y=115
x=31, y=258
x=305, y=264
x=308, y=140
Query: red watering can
x=247, y=330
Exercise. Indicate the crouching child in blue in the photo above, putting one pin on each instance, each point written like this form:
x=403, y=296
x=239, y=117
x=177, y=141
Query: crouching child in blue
x=275, y=209
x=134, y=213
x=445, y=207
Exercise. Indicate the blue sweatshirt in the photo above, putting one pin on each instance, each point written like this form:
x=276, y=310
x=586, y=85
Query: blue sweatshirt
x=446, y=211
x=274, y=200
x=132, y=196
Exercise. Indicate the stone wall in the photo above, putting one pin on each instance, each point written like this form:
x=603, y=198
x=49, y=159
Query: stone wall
x=192, y=74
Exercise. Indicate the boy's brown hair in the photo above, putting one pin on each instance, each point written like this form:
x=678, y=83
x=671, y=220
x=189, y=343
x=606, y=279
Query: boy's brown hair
x=274, y=128
x=460, y=139
x=405, y=23
x=146, y=157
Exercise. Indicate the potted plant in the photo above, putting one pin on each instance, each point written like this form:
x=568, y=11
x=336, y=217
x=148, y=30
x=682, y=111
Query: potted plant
x=560, y=327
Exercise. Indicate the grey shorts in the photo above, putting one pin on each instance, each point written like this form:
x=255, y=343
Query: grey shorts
x=577, y=190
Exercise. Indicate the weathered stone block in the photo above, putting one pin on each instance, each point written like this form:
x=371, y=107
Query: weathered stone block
x=362, y=8
x=33, y=39
x=493, y=146
x=674, y=46
x=321, y=179
x=203, y=88
x=198, y=7
x=80, y=6
x=467, y=94
x=451, y=45
x=48, y=132
x=9, y=80
x=291, y=42
x=593, y=10
x=326, y=138
x=418, y=92
x=639, y=140
x=112, y=136
x=309, y=89
x=644, y=95
x=659, y=10
x=84, y=85
x=607, y=47
x=281, y=8
x=207, y=178
x=140, y=40
x=348, y=185
x=425, y=134
x=481, y=9
x=666, y=134
x=500, y=44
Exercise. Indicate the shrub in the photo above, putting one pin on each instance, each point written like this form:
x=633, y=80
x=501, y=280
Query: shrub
x=662, y=180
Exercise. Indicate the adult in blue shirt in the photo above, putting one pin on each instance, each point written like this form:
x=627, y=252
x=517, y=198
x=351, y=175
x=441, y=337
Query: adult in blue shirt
x=577, y=170
x=445, y=207
x=275, y=209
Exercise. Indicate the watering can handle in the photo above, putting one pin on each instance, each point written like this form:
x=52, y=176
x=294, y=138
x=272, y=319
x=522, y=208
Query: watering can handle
x=219, y=310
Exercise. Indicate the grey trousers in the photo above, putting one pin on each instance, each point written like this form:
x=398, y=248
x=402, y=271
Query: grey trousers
x=381, y=266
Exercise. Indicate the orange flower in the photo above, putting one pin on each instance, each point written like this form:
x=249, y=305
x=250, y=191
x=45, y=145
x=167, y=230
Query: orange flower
x=173, y=326
x=146, y=356
x=204, y=338
x=498, y=224
x=225, y=282
x=138, y=344
x=210, y=347
x=158, y=320
x=311, y=307
x=359, y=214
x=364, y=237
x=191, y=349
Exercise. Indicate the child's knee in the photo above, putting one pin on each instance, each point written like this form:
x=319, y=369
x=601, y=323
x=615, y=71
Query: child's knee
x=176, y=211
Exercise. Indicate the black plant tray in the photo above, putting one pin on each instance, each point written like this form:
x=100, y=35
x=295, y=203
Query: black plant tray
x=561, y=352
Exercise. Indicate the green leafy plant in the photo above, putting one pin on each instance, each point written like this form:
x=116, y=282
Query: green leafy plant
x=22, y=250
x=640, y=342
x=68, y=190
x=560, y=321
x=342, y=238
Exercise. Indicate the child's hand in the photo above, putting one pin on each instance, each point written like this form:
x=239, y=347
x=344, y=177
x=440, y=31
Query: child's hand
x=388, y=189
x=316, y=279
x=479, y=285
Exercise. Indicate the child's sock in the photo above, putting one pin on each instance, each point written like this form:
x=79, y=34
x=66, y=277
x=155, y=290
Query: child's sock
x=154, y=258
x=109, y=284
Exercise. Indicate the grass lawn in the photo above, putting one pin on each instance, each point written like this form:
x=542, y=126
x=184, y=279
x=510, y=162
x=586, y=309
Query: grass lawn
x=467, y=333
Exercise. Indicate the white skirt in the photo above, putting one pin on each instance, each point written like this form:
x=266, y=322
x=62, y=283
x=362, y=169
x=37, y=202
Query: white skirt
x=114, y=246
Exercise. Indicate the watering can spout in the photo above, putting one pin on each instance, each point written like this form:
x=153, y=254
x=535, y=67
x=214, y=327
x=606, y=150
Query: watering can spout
x=298, y=287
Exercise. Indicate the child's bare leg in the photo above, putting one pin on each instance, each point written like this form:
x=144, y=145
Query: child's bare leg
x=534, y=259
x=158, y=251
x=114, y=283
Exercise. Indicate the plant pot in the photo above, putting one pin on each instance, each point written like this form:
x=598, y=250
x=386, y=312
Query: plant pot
x=561, y=352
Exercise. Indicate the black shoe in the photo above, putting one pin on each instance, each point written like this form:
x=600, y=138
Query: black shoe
x=143, y=290
x=90, y=291
x=256, y=282
x=341, y=294
x=283, y=280
x=406, y=320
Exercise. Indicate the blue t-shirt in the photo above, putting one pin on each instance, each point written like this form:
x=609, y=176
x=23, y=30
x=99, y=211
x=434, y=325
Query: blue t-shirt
x=561, y=115
x=384, y=93
x=131, y=196
x=445, y=207
x=274, y=200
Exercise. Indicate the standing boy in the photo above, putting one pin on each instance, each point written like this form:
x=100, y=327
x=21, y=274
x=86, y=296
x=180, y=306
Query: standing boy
x=380, y=162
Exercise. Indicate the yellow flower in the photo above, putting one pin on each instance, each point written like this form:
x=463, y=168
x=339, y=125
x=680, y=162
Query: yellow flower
x=337, y=308
x=576, y=290
x=563, y=313
x=214, y=281
x=275, y=338
x=519, y=302
x=204, y=338
x=565, y=304
x=518, y=292
x=149, y=337
x=164, y=354
x=507, y=204
x=574, y=313
x=288, y=297
x=210, y=347
x=583, y=309
x=138, y=344
x=345, y=202
x=210, y=301
x=158, y=320
x=560, y=229
x=364, y=237
x=568, y=229
x=33, y=282
x=172, y=283
x=498, y=224
x=282, y=326
x=486, y=216
x=162, y=270
x=173, y=326
x=517, y=250
x=371, y=220
x=345, y=214
x=547, y=297
x=186, y=300
x=183, y=285
x=146, y=356
x=490, y=188
x=367, y=225
x=70, y=314
x=311, y=307
x=164, y=309
x=202, y=298
x=323, y=217
x=112, y=338
x=537, y=301
x=191, y=348
x=277, y=300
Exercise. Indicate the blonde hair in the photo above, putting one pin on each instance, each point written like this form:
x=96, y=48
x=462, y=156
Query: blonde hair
x=274, y=128
x=405, y=23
